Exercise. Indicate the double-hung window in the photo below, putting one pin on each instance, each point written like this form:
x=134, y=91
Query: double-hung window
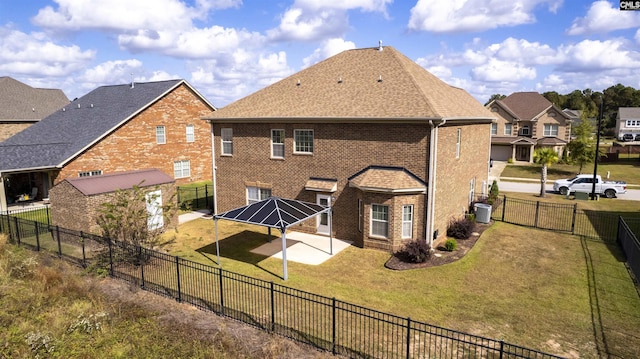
x=161, y=136
x=256, y=194
x=182, y=169
x=550, y=130
x=380, y=220
x=494, y=129
x=407, y=221
x=226, y=135
x=303, y=141
x=277, y=143
x=90, y=173
x=458, y=141
x=191, y=134
x=507, y=129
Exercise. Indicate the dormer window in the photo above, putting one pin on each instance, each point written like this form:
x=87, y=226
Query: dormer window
x=525, y=130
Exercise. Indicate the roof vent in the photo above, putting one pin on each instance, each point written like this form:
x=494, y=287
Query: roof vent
x=132, y=83
x=298, y=84
x=78, y=105
x=340, y=80
x=33, y=109
x=91, y=105
x=64, y=109
x=379, y=45
x=380, y=78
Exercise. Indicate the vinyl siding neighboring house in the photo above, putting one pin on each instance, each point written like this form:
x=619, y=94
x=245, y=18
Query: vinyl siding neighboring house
x=22, y=105
x=628, y=122
x=112, y=129
x=527, y=121
x=395, y=151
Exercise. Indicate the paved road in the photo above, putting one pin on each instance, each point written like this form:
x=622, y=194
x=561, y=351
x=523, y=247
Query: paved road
x=534, y=187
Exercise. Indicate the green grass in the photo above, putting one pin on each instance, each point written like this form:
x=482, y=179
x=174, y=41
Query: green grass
x=529, y=287
x=193, y=196
x=626, y=171
x=39, y=215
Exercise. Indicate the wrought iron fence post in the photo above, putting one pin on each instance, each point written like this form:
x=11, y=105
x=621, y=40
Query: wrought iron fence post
x=141, y=267
x=206, y=195
x=333, y=325
x=504, y=205
x=58, y=238
x=178, y=274
x=273, y=308
x=573, y=219
x=501, y=348
x=408, y=336
x=110, y=257
x=537, y=213
x=48, y=216
x=37, y=237
x=84, y=256
x=15, y=221
x=197, y=199
x=221, y=291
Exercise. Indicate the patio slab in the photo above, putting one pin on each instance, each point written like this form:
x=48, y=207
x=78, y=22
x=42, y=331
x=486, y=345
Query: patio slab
x=303, y=248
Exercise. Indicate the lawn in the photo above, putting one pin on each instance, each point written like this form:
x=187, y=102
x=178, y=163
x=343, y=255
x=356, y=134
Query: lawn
x=624, y=171
x=540, y=289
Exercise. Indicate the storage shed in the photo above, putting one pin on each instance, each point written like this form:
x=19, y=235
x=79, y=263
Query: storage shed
x=75, y=201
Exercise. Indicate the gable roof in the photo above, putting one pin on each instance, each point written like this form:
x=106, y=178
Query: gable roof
x=360, y=84
x=527, y=106
x=387, y=180
x=112, y=182
x=64, y=134
x=628, y=112
x=21, y=102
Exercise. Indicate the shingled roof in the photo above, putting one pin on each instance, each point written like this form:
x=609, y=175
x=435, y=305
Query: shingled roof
x=59, y=137
x=21, y=102
x=527, y=106
x=361, y=84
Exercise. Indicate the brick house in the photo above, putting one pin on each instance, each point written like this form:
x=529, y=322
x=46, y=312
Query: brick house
x=526, y=121
x=112, y=129
x=22, y=105
x=82, y=197
x=628, y=122
x=396, y=151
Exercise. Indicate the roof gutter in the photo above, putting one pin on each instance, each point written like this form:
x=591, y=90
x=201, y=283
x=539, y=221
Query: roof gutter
x=431, y=189
x=285, y=119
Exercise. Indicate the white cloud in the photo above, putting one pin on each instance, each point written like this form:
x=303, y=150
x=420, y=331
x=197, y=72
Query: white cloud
x=37, y=55
x=474, y=15
x=328, y=48
x=523, y=51
x=364, y=5
x=111, y=72
x=590, y=55
x=602, y=17
x=503, y=71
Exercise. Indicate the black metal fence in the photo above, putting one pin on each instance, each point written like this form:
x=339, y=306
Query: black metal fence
x=192, y=198
x=326, y=323
x=557, y=217
x=630, y=244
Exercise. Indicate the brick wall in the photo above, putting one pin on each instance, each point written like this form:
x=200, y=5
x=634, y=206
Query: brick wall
x=454, y=174
x=73, y=210
x=9, y=129
x=133, y=146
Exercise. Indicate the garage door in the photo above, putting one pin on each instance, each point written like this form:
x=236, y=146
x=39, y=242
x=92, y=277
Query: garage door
x=500, y=153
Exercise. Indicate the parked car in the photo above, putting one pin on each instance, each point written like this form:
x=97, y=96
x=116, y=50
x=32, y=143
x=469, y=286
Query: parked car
x=584, y=183
x=637, y=137
x=627, y=137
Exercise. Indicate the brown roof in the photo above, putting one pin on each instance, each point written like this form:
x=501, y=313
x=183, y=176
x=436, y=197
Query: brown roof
x=358, y=84
x=20, y=102
x=551, y=141
x=510, y=140
x=321, y=184
x=123, y=180
x=387, y=179
x=526, y=105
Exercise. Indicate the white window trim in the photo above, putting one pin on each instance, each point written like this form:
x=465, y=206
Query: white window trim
x=259, y=191
x=410, y=222
x=90, y=173
x=632, y=123
x=510, y=126
x=295, y=151
x=371, y=220
x=181, y=164
x=360, y=214
x=190, y=135
x=522, y=130
x=550, y=131
x=458, y=141
x=494, y=129
x=229, y=132
x=161, y=140
x=273, y=144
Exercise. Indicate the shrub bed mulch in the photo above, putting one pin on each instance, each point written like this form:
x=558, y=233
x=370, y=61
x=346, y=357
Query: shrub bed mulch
x=440, y=255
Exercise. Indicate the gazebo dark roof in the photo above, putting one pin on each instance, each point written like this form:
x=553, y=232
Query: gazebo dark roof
x=274, y=212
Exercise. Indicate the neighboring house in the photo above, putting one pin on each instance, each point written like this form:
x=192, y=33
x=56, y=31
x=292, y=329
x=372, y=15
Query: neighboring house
x=82, y=197
x=526, y=121
x=397, y=152
x=112, y=129
x=22, y=105
x=628, y=122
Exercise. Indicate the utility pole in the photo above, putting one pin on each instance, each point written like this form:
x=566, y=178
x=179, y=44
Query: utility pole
x=595, y=162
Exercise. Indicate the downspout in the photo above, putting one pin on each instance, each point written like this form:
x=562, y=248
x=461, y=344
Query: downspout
x=214, y=169
x=431, y=190
x=3, y=195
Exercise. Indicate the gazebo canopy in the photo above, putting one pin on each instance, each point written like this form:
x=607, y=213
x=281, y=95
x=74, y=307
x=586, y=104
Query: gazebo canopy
x=275, y=212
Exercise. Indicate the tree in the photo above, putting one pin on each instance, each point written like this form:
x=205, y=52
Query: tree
x=582, y=149
x=545, y=156
x=494, y=97
x=131, y=214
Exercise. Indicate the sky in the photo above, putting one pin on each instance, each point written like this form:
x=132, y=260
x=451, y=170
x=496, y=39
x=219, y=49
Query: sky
x=228, y=49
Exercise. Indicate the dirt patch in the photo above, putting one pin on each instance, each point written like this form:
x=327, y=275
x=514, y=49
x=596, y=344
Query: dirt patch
x=441, y=256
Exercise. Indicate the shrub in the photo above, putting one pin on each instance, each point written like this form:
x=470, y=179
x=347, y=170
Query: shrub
x=450, y=245
x=494, y=192
x=510, y=160
x=460, y=228
x=416, y=251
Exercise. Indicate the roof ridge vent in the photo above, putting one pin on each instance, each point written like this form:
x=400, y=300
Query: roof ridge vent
x=78, y=105
x=379, y=45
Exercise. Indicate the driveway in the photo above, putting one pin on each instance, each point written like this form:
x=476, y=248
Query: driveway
x=534, y=187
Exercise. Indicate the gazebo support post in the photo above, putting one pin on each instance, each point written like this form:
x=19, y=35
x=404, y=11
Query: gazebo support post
x=217, y=245
x=284, y=253
x=330, y=232
x=269, y=234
